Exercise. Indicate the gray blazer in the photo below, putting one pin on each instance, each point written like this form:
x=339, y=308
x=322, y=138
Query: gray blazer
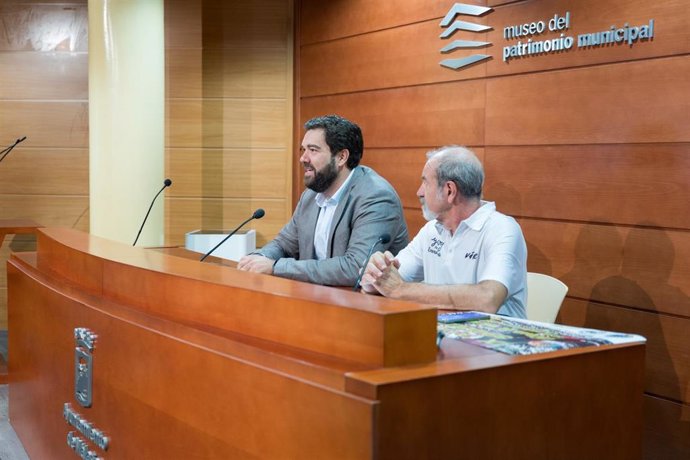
x=368, y=207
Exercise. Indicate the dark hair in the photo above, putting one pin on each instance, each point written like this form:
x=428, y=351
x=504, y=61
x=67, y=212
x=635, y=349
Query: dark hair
x=340, y=134
x=459, y=165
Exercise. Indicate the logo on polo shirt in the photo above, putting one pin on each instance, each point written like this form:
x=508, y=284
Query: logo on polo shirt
x=435, y=246
x=471, y=255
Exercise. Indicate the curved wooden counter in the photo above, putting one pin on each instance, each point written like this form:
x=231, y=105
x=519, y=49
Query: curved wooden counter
x=194, y=360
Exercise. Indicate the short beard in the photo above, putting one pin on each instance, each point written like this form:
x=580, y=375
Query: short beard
x=324, y=178
x=426, y=212
x=428, y=215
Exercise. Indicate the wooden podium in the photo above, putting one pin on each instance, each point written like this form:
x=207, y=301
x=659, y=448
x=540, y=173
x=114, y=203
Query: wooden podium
x=10, y=227
x=120, y=352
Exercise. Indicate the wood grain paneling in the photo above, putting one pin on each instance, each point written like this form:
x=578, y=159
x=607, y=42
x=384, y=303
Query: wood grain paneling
x=215, y=23
x=494, y=3
x=29, y=75
x=671, y=35
x=241, y=174
x=402, y=56
x=666, y=421
x=45, y=123
x=42, y=26
x=183, y=24
x=401, y=167
x=448, y=113
x=52, y=210
x=240, y=72
x=320, y=19
x=11, y=243
x=188, y=214
x=29, y=171
x=227, y=123
x=588, y=148
x=631, y=184
x=262, y=24
x=15, y=235
x=135, y=406
x=409, y=54
x=14, y=243
x=206, y=327
x=645, y=268
x=668, y=344
x=43, y=96
x=48, y=210
x=632, y=102
x=539, y=441
x=415, y=220
x=3, y=308
x=667, y=429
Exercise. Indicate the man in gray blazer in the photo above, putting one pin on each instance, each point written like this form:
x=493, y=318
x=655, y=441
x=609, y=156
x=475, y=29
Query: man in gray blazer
x=345, y=209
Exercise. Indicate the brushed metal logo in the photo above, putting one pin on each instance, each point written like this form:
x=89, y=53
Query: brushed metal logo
x=451, y=28
x=83, y=365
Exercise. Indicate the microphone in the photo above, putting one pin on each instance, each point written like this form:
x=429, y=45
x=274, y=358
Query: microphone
x=258, y=214
x=7, y=150
x=383, y=239
x=166, y=183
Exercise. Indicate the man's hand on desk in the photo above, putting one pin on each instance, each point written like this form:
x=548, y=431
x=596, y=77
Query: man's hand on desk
x=256, y=263
x=381, y=275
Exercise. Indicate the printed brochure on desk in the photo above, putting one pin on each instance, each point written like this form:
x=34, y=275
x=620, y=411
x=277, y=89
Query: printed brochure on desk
x=522, y=337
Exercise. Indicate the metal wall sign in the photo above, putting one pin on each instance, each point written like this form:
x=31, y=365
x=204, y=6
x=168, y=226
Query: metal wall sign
x=528, y=44
x=85, y=343
x=468, y=10
x=540, y=37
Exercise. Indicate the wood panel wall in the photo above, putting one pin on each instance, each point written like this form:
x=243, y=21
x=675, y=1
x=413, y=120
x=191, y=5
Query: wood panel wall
x=43, y=96
x=588, y=148
x=228, y=115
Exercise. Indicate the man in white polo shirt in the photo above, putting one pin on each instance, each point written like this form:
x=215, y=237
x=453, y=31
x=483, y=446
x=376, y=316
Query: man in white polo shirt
x=467, y=257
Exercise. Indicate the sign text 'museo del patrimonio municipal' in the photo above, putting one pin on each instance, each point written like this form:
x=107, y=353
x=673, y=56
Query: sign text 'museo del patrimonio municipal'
x=548, y=35
x=528, y=45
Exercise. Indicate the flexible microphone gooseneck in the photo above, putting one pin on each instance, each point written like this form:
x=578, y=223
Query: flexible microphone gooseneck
x=258, y=214
x=166, y=183
x=7, y=150
x=383, y=239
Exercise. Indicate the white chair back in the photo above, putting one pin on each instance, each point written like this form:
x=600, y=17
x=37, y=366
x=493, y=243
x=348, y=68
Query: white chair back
x=544, y=297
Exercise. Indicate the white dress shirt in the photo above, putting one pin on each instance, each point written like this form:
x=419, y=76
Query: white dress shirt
x=327, y=207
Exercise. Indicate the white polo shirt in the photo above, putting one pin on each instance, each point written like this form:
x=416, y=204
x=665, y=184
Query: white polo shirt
x=487, y=245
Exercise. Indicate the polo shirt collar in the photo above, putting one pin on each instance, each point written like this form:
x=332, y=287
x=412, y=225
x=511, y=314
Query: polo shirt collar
x=476, y=221
x=479, y=217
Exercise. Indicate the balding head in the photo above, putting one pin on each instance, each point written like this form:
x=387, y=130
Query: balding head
x=459, y=165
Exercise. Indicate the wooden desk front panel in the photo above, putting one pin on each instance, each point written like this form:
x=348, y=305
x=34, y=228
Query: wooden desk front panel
x=582, y=406
x=161, y=391
x=167, y=387
x=334, y=322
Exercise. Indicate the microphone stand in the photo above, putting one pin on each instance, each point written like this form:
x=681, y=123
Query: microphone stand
x=166, y=183
x=256, y=215
x=6, y=151
x=385, y=238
